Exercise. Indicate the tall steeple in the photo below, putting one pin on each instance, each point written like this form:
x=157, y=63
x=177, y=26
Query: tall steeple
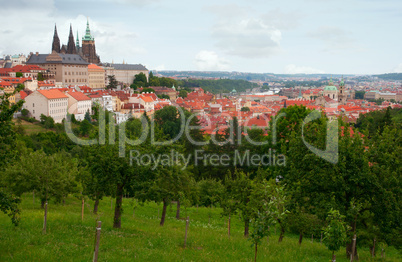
x=77, y=43
x=88, y=50
x=88, y=36
x=56, y=41
x=71, y=45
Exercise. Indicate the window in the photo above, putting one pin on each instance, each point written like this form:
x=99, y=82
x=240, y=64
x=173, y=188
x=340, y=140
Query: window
x=33, y=104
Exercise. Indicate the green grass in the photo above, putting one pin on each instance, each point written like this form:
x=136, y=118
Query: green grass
x=142, y=239
x=31, y=128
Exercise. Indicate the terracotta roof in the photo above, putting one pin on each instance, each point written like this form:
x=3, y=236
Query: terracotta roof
x=52, y=94
x=79, y=96
x=23, y=94
x=93, y=66
x=147, y=99
x=5, y=84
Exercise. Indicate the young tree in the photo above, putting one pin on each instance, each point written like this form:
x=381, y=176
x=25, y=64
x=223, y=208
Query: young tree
x=147, y=90
x=238, y=189
x=85, y=127
x=140, y=80
x=183, y=93
x=88, y=116
x=50, y=176
x=24, y=112
x=9, y=206
x=101, y=163
x=40, y=77
x=112, y=82
x=163, y=96
x=8, y=154
x=268, y=200
x=335, y=232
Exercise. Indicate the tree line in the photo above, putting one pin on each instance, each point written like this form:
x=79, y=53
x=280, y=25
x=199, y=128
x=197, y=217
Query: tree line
x=362, y=188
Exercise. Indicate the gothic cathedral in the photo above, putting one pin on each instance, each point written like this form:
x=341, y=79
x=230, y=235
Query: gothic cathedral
x=86, y=51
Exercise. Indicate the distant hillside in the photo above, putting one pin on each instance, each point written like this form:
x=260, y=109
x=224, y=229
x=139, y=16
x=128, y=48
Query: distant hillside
x=392, y=76
x=219, y=86
x=242, y=75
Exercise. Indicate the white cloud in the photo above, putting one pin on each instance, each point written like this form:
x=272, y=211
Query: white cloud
x=239, y=34
x=114, y=41
x=293, y=69
x=398, y=69
x=210, y=61
x=160, y=68
x=334, y=38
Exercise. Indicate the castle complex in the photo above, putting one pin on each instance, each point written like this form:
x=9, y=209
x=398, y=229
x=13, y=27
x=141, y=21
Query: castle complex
x=86, y=51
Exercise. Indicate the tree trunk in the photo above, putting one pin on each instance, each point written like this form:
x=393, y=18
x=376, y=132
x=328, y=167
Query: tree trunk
x=373, y=248
x=96, y=205
x=42, y=203
x=178, y=210
x=300, y=238
x=282, y=233
x=255, y=255
x=349, y=247
x=163, y=212
x=229, y=226
x=333, y=256
x=118, y=209
x=246, y=226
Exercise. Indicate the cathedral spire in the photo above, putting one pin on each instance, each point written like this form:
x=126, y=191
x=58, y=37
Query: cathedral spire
x=88, y=36
x=56, y=41
x=71, y=45
x=77, y=42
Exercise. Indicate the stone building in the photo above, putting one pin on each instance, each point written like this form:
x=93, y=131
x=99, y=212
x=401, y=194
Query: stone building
x=96, y=76
x=87, y=50
x=51, y=103
x=68, y=69
x=124, y=73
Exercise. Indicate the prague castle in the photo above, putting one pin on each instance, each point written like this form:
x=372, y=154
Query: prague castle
x=86, y=51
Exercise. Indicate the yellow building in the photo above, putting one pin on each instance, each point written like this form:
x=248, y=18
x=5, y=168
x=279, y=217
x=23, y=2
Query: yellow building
x=96, y=76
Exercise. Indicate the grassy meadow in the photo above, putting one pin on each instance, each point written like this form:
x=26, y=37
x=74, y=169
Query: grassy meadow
x=141, y=238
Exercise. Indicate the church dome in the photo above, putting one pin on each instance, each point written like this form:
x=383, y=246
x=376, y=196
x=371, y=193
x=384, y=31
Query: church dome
x=330, y=88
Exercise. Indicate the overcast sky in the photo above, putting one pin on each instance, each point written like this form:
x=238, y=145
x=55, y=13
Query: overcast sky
x=264, y=36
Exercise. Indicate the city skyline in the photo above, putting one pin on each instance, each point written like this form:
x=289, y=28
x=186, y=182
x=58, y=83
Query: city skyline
x=255, y=36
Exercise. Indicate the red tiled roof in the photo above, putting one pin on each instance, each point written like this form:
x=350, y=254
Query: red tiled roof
x=52, y=94
x=93, y=66
x=23, y=94
x=79, y=96
x=5, y=84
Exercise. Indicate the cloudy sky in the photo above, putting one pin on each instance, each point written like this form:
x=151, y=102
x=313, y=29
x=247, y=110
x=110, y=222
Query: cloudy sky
x=264, y=36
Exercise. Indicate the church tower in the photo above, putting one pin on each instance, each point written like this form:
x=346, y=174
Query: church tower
x=71, y=45
x=56, y=41
x=77, y=45
x=342, y=94
x=88, y=47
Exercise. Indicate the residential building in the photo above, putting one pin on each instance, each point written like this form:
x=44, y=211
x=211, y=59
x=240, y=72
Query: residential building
x=78, y=104
x=68, y=69
x=96, y=76
x=51, y=103
x=124, y=73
